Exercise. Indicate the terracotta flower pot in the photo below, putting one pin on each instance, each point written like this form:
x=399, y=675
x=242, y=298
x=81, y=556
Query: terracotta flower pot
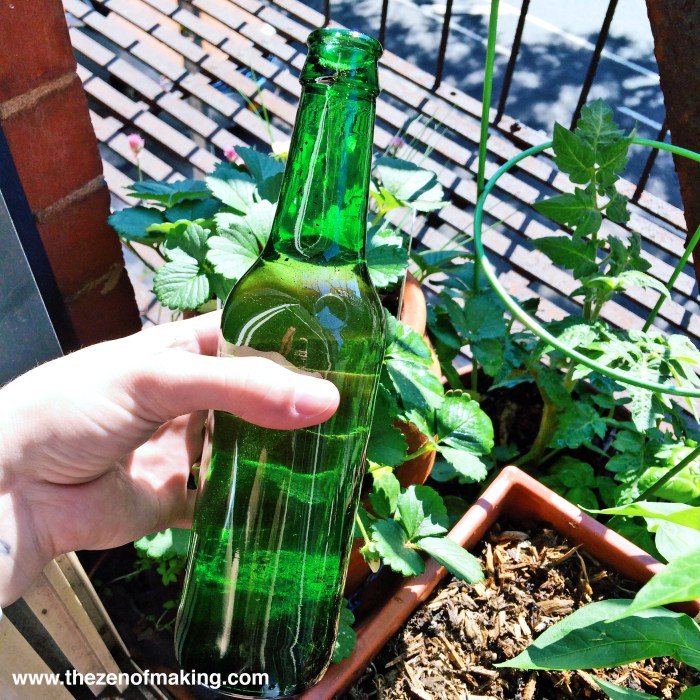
x=521, y=497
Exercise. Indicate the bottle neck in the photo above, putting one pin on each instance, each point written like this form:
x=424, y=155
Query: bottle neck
x=322, y=211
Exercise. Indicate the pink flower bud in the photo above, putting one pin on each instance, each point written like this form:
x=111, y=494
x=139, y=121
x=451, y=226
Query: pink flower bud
x=230, y=154
x=136, y=143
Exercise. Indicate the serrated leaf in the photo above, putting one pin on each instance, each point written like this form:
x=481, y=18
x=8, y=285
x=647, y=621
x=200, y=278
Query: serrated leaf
x=390, y=539
x=617, y=209
x=385, y=492
x=181, y=284
x=597, y=125
x=454, y=558
x=346, y=639
x=573, y=254
x=407, y=362
x=233, y=187
x=469, y=468
x=387, y=257
x=572, y=472
x=387, y=444
x=578, y=424
x=421, y=512
x=616, y=692
x=573, y=155
x=169, y=193
x=461, y=424
x=191, y=240
x=585, y=639
x=409, y=184
x=612, y=160
x=577, y=210
x=635, y=278
x=678, y=582
x=172, y=542
x=191, y=211
x=260, y=165
x=132, y=223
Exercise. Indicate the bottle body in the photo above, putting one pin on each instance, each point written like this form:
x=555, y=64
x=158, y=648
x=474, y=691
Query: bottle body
x=275, y=509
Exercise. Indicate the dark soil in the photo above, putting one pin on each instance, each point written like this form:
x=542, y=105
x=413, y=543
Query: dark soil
x=449, y=647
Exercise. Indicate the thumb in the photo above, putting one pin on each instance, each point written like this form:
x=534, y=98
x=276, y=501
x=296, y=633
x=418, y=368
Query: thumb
x=253, y=388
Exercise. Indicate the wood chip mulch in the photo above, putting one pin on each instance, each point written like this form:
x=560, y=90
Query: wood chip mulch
x=533, y=579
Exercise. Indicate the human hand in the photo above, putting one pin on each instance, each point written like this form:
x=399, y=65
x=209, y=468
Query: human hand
x=96, y=447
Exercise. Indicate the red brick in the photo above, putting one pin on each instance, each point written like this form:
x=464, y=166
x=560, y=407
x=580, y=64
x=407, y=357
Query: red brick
x=53, y=145
x=35, y=45
x=99, y=316
x=79, y=242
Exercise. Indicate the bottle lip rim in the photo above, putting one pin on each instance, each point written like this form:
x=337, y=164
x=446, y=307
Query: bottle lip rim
x=361, y=41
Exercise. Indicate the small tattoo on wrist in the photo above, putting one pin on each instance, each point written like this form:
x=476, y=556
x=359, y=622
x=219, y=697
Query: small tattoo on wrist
x=5, y=547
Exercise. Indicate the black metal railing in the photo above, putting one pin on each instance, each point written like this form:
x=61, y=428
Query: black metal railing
x=586, y=85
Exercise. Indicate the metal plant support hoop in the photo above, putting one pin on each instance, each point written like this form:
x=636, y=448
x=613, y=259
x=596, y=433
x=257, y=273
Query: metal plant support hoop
x=483, y=263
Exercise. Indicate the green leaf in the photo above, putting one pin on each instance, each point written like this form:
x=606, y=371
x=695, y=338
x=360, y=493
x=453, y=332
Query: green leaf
x=673, y=512
x=181, y=284
x=673, y=540
x=172, y=542
x=132, y=223
x=169, y=193
x=635, y=278
x=260, y=165
x=407, y=362
x=387, y=444
x=386, y=257
x=421, y=512
x=597, y=125
x=690, y=693
x=577, y=210
x=617, y=209
x=612, y=160
x=578, y=424
x=616, y=692
x=572, y=472
x=573, y=254
x=385, y=492
x=573, y=155
x=454, y=558
x=193, y=210
x=585, y=639
x=390, y=539
x=233, y=187
x=463, y=425
x=346, y=639
x=191, y=240
x=678, y=582
x=409, y=184
x=466, y=466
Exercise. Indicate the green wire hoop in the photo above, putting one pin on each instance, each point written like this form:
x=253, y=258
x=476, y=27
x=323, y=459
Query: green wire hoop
x=528, y=321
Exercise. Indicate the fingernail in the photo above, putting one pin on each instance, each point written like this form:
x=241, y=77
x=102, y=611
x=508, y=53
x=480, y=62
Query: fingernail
x=313, y=397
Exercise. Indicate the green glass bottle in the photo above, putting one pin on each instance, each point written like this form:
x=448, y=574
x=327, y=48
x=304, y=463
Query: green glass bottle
x=275, y=509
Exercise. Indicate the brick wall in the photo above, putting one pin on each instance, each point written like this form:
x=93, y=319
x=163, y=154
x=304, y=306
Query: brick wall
x=45, y=118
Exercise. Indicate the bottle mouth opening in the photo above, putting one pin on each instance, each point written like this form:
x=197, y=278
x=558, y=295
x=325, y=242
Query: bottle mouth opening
x=343, y=42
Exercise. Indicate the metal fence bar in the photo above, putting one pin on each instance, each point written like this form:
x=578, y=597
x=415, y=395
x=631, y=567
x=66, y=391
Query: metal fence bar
x=326, y=12
x=510, y=68
x=443, y=45
x=382, y=22
x=651, y=159
x=595, y=60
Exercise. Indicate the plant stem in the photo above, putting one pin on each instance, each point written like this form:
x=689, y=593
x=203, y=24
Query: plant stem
x=128, y=245
x=358, y=520
x=670, y=474
x=428, y=447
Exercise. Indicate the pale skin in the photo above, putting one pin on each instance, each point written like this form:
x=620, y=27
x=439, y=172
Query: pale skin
x=96, y=448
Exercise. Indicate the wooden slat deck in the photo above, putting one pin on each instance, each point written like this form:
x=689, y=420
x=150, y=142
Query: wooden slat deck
x=183, y=74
